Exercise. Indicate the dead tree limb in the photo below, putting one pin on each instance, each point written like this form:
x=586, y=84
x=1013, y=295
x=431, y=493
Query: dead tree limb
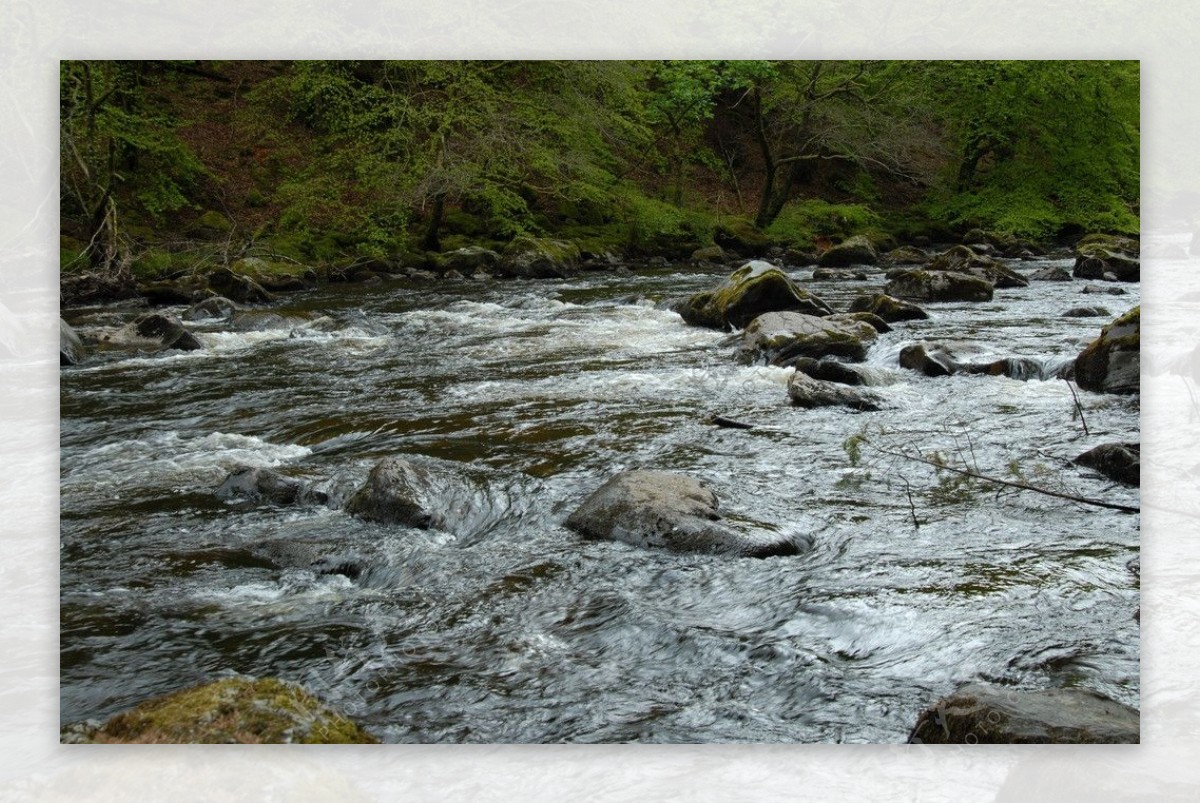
x=1129, y=509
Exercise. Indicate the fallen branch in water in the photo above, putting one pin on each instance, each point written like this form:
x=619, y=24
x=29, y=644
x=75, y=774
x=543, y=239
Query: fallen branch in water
x=721, y=421
x=1129, y=509
x=1078, y=406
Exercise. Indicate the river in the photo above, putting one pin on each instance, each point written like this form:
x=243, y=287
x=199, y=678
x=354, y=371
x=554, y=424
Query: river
x=522, y=631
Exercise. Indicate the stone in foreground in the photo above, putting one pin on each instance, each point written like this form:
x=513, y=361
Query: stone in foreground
x=985, y=713
x=670, y=511
x=806, y=392
x=777, y=337
x=234, y=710
x=1120, y=462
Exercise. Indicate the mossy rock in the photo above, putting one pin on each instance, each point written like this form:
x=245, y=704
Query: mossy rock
x=755, y=288
x=529, y=257
x=780, y=336
x=235, y=710
x=1093, y=243
x=964, y=260
x=1112, y=363
x=939, y=286
x=276, y=275
x=857, y=250
x=741, y=237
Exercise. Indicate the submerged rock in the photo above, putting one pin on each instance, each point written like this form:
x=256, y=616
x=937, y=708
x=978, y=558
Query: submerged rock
x=233, y=710
x=939, y=286
x=154, y=331
x=755, y=288
x=214, y=307
x=1086, y=312
x=1112, y=363
x=932, y=362
x=835, y=275
x=889, y=308
x=70, y=348
x=251, y=484
x=670, y=511
x=777, y=337
x=985, y=713
x=807, y=392
x=1120, y=462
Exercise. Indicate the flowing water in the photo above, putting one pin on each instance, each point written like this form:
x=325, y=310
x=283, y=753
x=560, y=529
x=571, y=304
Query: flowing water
x=518, y=630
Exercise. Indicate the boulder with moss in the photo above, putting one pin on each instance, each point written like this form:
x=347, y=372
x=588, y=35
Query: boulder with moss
x=777, y=337
x=529, y=257
x=238, y=287
x=233, y=710
x=741, y=237
x=755, y=288
x=1112, y=363
x=857, y=250
x=1108, y=257
x=939, y=286
x=964, y=260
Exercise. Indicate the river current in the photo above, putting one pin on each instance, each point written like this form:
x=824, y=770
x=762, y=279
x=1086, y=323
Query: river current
x=916, y=581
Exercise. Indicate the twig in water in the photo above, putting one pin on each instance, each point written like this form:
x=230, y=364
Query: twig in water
x=912, y=509
x=1078, y=406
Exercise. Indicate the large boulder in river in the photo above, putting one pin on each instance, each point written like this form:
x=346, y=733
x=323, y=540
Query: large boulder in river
x=670, y=511
x=1112, y=363
x=231, y=710
x=1120, y=462
x=889, y=308
x=964, y=260
x=986, y=713
x=855, y=250
x=538, y=258
x=1108, y=257
x=939, y=286
x=470, y=259
x=906, y=255
x=755, y=288
x=776, y=337
x=70, y=347
x=807, y=392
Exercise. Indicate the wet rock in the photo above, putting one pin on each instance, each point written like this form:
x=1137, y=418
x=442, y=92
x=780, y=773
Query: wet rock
x=238, y=288
x=322, y=559
x=855, y=250
x=1112, y=362
x=1101, y=255
x=776, y=337
x=755, y=288
x=215, y=307
x=232, y=710
x=461, y=500
x=70, y=348
x=1021, y=368
x=1087, y=312
x=985, y=713
x=469, y=260
x=806, y=392
x=155, y=331
x=1097, y=290
x=888, y=308
x=828, y=370
x=906, y=255
x=251, y=484
x=932, y=362
x=1055, y=273
x=538, y=258
x=1120, y=462
x=939, y=286
x=670, y=511
x=876, y=323
x=964, y=260
x=835, y=275
x=741, y=237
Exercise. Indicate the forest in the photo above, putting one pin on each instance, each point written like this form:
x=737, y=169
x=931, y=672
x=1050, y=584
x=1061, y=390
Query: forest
x=170, y=167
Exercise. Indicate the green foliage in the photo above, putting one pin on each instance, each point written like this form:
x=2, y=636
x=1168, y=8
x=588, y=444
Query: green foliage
x=800, y=222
